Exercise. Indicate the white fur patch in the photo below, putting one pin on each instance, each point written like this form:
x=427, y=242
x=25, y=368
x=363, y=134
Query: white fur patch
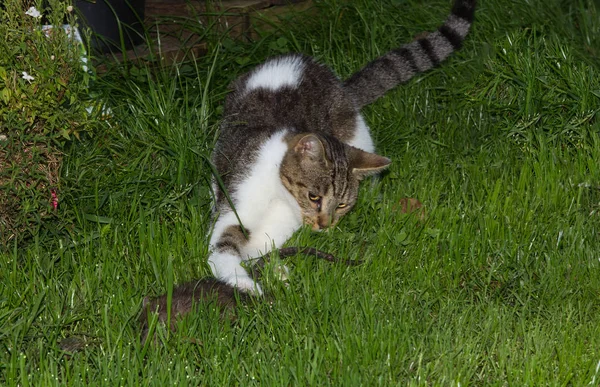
x=227, y=268
x=277, y=73
x=362, y=139
x=265, y=207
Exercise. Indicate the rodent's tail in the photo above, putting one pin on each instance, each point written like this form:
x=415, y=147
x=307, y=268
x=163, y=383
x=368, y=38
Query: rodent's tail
x=401, y=64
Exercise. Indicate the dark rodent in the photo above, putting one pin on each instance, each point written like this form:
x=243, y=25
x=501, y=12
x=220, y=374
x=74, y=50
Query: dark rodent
x=188, y=295
x=185, y=297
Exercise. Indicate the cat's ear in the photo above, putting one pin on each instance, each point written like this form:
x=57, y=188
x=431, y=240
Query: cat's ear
x=310, y=146
x=365, y=164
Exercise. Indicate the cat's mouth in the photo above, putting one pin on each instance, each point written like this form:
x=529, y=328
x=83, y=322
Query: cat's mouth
x=318, y=224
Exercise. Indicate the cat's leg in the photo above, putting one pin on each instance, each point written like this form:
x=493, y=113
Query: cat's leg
x=227, y=245
x=276, y=226
x=266, y=228
x=362, y=136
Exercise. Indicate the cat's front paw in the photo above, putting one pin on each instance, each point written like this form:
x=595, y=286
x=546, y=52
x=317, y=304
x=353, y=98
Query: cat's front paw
x=245, y=284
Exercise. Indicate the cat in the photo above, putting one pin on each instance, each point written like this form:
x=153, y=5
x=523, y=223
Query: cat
x=293, y=146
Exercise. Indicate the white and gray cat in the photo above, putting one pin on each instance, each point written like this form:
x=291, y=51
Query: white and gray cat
x=293, y=145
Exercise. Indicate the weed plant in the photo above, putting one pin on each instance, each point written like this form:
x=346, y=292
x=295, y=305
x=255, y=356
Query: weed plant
x=498, y=285
x=44, y=102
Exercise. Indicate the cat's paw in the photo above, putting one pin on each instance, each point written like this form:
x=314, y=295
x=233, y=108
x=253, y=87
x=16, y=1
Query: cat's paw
x=245, y=284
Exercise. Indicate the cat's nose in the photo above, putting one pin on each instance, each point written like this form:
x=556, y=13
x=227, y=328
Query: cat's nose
x=324, y=222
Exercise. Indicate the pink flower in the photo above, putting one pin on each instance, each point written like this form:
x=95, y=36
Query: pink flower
x=54, y=199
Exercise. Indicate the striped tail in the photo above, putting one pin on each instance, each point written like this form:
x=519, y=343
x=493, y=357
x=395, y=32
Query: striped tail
x=401, y=64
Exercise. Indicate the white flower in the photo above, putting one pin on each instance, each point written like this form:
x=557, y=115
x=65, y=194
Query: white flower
x=33, y=12
x=70, y=8
x=27, y=77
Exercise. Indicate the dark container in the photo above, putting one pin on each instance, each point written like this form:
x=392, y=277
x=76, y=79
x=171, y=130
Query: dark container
x=108, y=19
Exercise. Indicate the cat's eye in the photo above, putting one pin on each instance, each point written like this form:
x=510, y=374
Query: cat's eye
x=342, y=205
x=314, y=198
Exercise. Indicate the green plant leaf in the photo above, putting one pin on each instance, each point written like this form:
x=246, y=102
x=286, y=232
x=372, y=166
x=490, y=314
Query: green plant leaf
x=5, y=95
x=98, y=219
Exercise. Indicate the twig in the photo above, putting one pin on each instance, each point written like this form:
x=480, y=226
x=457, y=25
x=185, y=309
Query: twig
x=291, y=251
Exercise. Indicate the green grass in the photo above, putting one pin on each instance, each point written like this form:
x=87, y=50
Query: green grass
x=500, y=285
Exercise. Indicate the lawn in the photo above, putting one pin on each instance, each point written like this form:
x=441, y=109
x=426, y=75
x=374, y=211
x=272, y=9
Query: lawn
x=497, y=284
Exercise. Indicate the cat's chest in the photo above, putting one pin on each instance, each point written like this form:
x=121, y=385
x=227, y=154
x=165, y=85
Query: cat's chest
x=264, y=205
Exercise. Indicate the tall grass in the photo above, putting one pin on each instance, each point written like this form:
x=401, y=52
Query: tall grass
x=499, y=285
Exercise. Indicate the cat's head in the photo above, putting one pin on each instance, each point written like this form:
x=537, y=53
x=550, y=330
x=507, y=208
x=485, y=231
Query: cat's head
x=323, y=174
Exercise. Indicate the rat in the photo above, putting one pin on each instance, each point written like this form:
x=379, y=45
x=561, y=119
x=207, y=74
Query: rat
x=210, y=289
